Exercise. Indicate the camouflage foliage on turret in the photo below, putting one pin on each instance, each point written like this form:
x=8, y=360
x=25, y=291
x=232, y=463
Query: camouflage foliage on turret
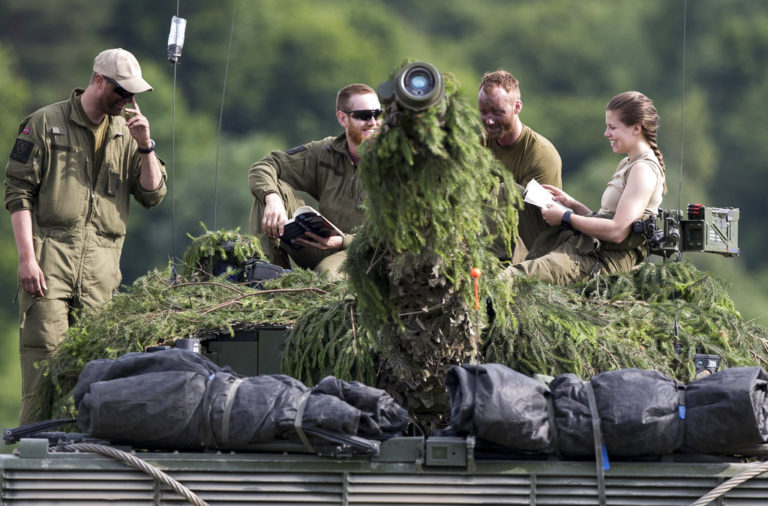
x=216, y=250
x=407, y=313
x=658, y=316
x=430, y=196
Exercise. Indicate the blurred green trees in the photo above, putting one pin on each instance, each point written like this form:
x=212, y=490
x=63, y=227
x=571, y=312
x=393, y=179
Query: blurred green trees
x=289, y=57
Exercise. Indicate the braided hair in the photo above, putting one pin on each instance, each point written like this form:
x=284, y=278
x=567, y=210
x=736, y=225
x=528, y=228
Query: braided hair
x=635, y=108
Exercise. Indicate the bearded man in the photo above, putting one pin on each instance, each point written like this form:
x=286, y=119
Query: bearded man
x=69, y=180
x=326, y=170
x=526, y=154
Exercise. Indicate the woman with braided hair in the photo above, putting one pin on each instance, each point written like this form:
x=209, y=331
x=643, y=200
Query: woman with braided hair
x=583, y=243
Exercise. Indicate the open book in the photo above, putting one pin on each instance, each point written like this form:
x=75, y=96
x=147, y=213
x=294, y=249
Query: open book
x=539, y=196
x=307, y=219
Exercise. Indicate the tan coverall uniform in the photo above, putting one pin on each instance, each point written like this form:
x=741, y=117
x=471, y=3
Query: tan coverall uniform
x=79, y=218
x=325, y=171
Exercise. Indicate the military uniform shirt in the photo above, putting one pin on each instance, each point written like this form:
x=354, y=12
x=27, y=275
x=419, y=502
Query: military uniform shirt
x=532, y=156
x=324, y=170
x=79, y=211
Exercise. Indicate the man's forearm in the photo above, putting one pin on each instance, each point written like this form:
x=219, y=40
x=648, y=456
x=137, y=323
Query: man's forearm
x=21, y=221
x=262, y=180
x=151, y=176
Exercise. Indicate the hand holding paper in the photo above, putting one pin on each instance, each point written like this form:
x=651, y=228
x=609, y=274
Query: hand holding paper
x=539, y=196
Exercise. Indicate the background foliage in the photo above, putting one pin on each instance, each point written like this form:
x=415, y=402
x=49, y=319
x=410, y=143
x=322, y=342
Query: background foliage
x=289, y=57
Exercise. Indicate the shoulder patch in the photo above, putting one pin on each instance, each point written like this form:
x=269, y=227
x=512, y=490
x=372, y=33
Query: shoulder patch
x=297, y=149
x=21, y=150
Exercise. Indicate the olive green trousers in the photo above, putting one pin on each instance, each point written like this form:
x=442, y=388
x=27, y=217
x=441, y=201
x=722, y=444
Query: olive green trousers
x=276, y=252
x=43, y=325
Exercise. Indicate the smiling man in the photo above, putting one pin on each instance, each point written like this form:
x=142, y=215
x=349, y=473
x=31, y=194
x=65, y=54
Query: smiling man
x=526, y=154
x=326, y=170
x=69, y=179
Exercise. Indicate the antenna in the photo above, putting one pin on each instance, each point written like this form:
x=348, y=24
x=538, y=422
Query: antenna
x=676, y=328
x=682, y=110
x=221, y=113
x=175, y=45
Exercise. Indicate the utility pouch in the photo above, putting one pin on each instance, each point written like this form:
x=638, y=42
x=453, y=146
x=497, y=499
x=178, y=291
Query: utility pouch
x=587, y=245
x=113, y=183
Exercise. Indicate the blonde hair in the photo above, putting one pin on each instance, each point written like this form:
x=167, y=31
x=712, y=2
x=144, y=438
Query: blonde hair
x=502, y=79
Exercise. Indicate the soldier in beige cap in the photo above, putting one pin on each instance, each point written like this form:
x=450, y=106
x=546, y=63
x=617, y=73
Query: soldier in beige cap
x=69, y=179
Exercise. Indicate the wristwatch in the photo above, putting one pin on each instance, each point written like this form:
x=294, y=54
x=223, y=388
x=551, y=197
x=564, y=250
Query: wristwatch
x=566, y=220
x=146, y=151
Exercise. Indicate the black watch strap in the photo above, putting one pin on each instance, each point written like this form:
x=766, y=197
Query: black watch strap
x=566, y=219
x=146, y=151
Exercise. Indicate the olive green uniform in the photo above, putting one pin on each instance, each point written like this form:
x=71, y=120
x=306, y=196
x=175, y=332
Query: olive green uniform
x=565, y=256
x=532, y=156
x=325, y=171
x=562, y=255
x=79, y=217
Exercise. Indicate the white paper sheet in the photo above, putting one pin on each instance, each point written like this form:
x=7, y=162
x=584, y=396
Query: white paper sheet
x=539, y=196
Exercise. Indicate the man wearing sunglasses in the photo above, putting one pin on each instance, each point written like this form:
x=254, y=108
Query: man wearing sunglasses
x=72, y=171
x=326, y=170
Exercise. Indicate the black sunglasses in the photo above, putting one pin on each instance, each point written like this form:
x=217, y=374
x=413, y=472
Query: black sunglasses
x=364, y=114
x=125, y=94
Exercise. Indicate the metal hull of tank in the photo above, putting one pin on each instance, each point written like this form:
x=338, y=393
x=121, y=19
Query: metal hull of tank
x=407, y=471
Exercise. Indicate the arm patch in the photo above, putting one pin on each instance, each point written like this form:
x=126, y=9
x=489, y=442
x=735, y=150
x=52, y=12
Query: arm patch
x=21, y=150
x=297, y=149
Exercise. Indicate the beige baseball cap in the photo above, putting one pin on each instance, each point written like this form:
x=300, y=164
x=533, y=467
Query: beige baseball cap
x=121, y=66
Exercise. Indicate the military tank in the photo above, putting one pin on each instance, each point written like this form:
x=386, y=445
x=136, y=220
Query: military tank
x=454, y=448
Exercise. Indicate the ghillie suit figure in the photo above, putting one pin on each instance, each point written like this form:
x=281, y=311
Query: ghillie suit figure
x=431, y=197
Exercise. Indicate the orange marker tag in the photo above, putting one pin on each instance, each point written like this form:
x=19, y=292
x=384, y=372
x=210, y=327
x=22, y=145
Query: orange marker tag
x=475, y=272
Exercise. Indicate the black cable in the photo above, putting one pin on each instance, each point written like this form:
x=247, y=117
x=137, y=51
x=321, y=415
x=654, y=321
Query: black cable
x=221, y=114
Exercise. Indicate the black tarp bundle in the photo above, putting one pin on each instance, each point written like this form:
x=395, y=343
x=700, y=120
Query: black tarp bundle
x=727, y=411
x=500, y=405
x=180, y=399
x=638, y=409
x=638, y=412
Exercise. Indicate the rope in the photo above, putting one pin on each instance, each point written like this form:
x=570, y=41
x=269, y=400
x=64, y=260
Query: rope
x=138, y=464
x=730, y=484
